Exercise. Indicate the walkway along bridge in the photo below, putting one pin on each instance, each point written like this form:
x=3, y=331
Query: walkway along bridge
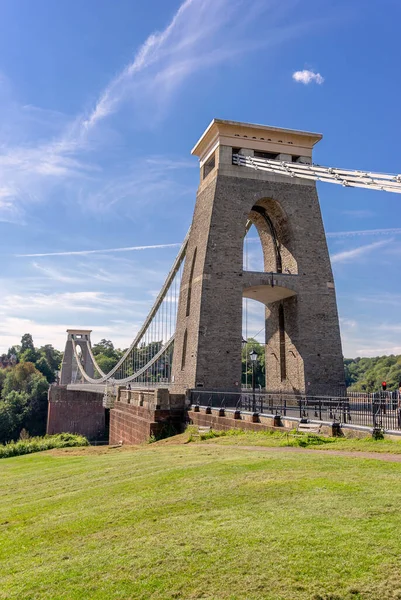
x=192, y=337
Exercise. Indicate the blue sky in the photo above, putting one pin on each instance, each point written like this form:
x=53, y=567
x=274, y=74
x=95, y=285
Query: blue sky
x=100, y=104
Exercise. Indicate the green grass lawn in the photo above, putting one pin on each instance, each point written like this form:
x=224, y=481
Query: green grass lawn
x=199, y=521
x=273, y=439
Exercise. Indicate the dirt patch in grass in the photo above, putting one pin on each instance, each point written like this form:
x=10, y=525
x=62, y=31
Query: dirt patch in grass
x=174, y=440
x=92, y=450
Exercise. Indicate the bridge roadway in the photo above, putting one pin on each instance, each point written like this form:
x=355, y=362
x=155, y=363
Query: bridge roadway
x=100, y=388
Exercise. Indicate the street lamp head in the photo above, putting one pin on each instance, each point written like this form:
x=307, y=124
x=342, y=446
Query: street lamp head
x=253, y=356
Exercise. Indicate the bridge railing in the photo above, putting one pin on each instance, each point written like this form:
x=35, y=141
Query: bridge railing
x=378, y=410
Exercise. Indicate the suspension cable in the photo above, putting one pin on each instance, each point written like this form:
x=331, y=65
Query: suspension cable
x=157, y=311
x=136, y=375
x=364, y=179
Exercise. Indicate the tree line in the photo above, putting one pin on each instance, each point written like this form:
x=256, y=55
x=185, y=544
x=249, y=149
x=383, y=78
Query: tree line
x=367, y=374
x=25, y=375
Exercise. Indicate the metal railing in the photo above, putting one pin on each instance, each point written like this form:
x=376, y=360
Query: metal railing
x=377, y=410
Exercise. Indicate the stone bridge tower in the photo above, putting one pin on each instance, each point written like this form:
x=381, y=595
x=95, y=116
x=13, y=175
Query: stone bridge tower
x=303, y=346
x=82, y=338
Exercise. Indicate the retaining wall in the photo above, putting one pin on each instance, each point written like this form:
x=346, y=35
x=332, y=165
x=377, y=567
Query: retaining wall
x=75, y=411
x=230, y=419
x=139, y=414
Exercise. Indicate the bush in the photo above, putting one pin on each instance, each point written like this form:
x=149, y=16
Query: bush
x=38, y=444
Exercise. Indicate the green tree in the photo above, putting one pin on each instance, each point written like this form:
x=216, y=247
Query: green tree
x=29, y=383
x=43, y=366
x=260, y=368
x=3, y=375
x=4, y=361
x=52, y=356
x=106, y=355
x=36, y=413
x=29, y=355
x=14, y=350
x=27, y=342
x=367, y=374
x=104, y=347
x=106, y=363
x=18, y=378
x=13, y=410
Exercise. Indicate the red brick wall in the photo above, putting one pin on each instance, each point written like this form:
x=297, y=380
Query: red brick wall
x=73, y=411
x=132, y=424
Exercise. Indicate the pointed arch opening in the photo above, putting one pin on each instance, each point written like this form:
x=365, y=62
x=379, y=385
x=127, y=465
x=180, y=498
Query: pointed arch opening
x=268, y=234
x=253, y=259
x=184, y=351
x=191, y=276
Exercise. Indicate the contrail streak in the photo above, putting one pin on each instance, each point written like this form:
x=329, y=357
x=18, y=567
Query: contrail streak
x=82, y=252
x=364, y=232
x=334, y=234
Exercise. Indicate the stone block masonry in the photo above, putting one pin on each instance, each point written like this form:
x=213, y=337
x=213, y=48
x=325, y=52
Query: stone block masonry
x=75, y=411
x=302, y=335
x=139, y=414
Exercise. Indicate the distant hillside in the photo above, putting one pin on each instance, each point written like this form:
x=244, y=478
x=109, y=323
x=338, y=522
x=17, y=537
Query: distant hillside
x=367, y=374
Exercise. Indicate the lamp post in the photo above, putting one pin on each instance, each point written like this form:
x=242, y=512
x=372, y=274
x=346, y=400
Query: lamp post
x=253, y=356
x=243, y=346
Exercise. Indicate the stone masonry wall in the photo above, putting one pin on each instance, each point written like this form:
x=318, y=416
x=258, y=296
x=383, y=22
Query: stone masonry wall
x=207, y=348
x=139, y=414
x=74, y=411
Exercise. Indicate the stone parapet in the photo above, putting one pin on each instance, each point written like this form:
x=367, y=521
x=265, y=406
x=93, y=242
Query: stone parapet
x=158, y=398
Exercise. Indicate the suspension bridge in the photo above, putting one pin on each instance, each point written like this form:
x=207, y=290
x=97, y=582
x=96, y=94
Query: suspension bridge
x=250, y=175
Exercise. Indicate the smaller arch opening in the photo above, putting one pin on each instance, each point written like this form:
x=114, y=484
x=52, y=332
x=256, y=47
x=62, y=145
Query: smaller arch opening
x=191, y=276
x=184, y=351
x=281, y=328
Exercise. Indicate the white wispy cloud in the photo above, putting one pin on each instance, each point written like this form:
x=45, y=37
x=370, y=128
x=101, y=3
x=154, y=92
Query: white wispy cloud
x=13, y=328
x=148, y=53
x=86, y=301
x=386, y=298
x=54, y=274
x=347, y=323
x=359, y=214
x=59, y=157
x=200, y=35
x=349, y=255
x=140, y=185
x=307, y=77
x=378, y=350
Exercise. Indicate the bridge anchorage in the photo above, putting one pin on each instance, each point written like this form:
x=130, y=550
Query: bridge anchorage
x=249, y=175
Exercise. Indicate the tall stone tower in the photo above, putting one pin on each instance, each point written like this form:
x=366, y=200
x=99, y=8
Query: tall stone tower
x=81, y=337
x=303, y=346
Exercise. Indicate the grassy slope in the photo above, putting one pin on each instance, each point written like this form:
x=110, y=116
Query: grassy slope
x=197, y=521
x=239, y=437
